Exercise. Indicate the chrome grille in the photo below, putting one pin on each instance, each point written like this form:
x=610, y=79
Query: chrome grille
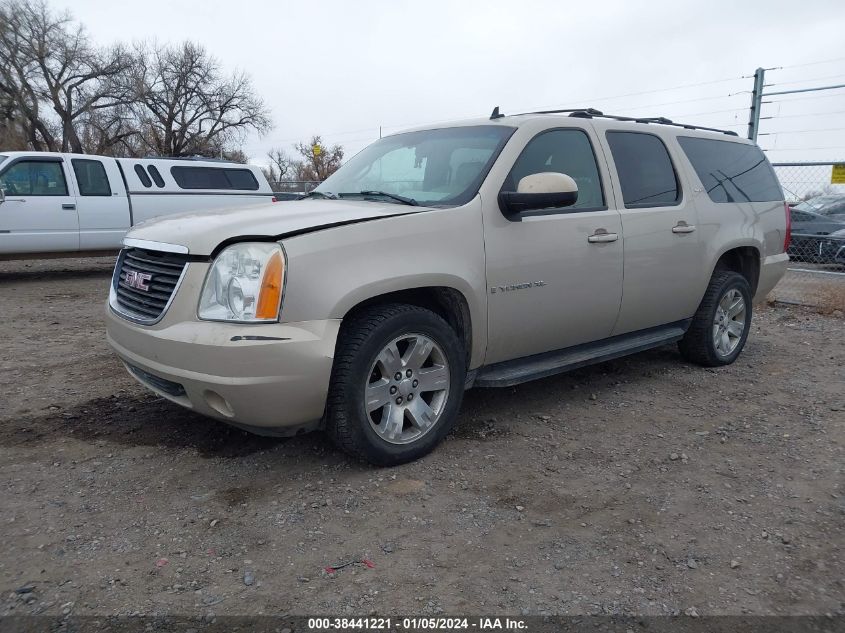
x=159, y=274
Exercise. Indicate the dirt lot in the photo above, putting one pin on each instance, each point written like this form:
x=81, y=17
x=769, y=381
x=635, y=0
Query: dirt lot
x=643, y=485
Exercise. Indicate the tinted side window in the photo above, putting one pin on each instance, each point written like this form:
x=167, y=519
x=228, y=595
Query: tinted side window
x=142, y=175
x=567, y=152
x=214, y=178
x=241, y=179
x=91, y=177
x=732, y=172
x=645, y=170
x=157, y=179
x=34, y=178
x=798, y=216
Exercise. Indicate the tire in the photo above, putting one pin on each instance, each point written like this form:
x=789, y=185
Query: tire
x=711, y=322
x=374, y=348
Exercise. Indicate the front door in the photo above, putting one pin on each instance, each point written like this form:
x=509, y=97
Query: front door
x=39, y=214
x=554, y=276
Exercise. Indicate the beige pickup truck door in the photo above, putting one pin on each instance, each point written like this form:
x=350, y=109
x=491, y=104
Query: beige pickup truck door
x=664, y=259
x=554, y=276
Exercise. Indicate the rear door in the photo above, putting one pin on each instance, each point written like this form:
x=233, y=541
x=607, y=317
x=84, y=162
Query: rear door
x=663, y=254
x=39, y=214
x=102, y=203
x=554, y=276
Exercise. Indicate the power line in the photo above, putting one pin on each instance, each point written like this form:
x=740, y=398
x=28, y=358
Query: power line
x=657, y=105
x=804, y=98
x=793, y=116
x=825, y=61
x=632, y=94
x=546, y=107
x=801, y=81
x=817, y=129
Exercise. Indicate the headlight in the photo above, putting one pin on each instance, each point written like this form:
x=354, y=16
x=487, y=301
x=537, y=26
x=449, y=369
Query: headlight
x=244, y=284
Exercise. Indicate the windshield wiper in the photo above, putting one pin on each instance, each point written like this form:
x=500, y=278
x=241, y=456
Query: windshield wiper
x=322, y=194
x=392, y=196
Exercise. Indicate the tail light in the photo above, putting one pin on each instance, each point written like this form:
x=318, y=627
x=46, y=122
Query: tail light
x=787, y=236
x=274, y=199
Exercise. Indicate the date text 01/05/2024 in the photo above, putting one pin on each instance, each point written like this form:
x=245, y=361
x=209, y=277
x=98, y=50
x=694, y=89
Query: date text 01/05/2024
x=416, y=624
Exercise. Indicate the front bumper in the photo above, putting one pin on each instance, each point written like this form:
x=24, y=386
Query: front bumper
x=268, y=378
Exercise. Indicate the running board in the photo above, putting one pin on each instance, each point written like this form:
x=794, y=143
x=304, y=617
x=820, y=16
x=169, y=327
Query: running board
x=515, y=372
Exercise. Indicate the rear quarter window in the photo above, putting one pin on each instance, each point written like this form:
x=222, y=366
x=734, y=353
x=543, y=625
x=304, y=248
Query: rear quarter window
x=223, y=178
x=732, y=172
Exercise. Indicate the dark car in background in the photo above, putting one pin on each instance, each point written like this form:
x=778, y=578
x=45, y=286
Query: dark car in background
x=828, y=205
x=818, y=237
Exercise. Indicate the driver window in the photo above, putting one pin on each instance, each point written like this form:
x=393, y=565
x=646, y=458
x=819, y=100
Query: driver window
x=34, y=178
x=567, y=152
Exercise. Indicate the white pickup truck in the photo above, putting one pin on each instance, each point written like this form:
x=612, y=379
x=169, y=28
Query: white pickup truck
x=73, y=204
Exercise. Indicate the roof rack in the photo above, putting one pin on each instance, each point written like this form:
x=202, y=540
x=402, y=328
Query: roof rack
x=190, y=158
x=590, y=113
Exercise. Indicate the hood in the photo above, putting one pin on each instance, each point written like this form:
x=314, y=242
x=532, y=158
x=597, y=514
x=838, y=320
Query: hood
x=202, y=231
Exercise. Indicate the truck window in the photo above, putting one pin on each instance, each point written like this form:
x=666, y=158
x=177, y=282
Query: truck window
x=143, y=176
x=91, y=177
x=646, y=173
x=224, y=178
x=34, y=178
x=567, y=152
x=156, y=176
x=732, y=172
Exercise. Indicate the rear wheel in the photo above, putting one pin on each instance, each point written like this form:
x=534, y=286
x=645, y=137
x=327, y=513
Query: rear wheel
x=720, y=327
x=397, y=384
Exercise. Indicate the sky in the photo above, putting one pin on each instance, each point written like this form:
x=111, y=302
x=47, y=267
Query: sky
x=345, y=69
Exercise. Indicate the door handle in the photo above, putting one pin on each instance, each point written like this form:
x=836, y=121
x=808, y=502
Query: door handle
x=69, y=207
x=601, y=236
x=683, y=227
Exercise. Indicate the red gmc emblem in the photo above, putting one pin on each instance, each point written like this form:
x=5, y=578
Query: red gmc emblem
x=138, y=280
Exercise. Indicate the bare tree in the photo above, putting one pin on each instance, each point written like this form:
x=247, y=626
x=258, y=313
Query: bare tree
x=18, y=81
x=280, y=167
x=186, y=106
x=49, y=62
x=318, y=162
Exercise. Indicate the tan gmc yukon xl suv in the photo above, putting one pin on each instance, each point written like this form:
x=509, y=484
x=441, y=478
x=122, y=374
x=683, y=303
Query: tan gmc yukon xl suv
x=481, y=253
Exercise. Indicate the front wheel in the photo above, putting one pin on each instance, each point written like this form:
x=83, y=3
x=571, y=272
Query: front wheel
x=720, y=327
x=397, y=384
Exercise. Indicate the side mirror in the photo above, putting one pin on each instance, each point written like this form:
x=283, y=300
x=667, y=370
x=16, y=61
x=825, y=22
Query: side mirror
x=545, y=190
x=2, y=195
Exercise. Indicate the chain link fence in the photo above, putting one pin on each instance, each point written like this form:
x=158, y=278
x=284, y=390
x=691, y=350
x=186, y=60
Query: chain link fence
x=815, y=192
x=294, y=186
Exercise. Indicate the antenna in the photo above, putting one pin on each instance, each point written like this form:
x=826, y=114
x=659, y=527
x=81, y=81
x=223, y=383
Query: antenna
x=496, y=114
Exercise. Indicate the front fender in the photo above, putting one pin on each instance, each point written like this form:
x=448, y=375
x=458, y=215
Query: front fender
x=332, y=271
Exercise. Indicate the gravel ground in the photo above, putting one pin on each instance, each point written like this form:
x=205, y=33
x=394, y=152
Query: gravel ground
x=640, y=486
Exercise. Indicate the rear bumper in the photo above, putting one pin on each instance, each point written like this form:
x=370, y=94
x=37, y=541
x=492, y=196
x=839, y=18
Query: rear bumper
x=772, y=269
x=269, y=378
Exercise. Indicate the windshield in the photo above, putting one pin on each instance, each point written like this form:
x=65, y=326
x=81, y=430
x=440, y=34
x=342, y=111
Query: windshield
x=442, y=167
x=823, y=205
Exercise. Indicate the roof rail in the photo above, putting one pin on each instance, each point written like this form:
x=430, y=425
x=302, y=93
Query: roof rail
x=189, y=158
x=589, y=113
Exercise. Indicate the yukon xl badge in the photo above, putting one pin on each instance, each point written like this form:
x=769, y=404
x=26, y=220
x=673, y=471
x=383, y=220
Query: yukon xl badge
x=522, y=286
x=138, y=280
